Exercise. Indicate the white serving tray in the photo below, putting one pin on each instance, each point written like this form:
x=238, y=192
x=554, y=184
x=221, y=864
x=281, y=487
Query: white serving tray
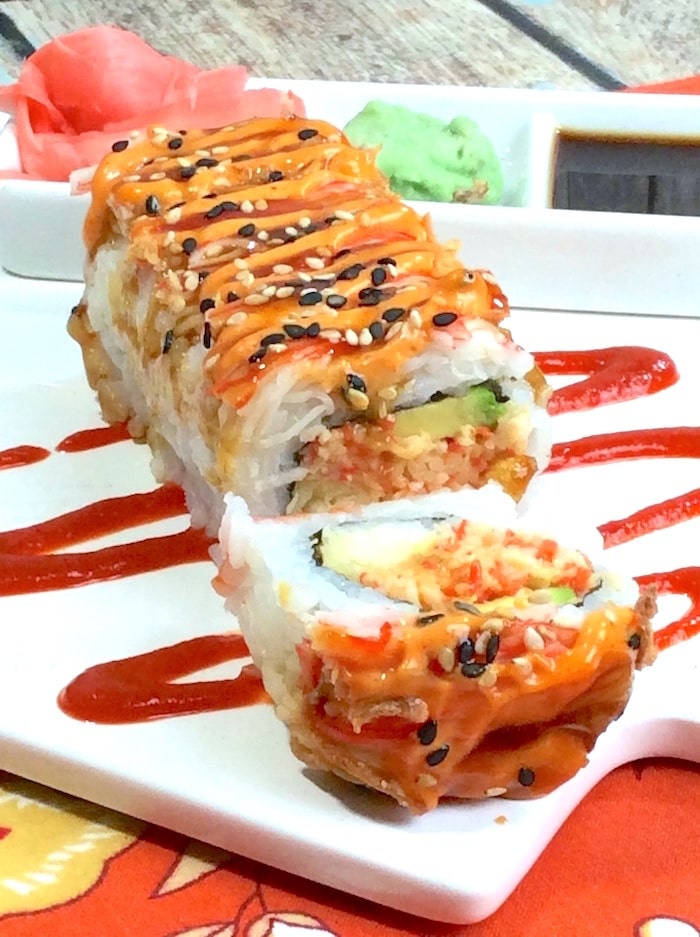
x=228, y=778
x=548, y=259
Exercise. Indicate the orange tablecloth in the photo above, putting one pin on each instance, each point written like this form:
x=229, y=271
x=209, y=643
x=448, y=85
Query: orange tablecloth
x=628, y=858
x=625, y=864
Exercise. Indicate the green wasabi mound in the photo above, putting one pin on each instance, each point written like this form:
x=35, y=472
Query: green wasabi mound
x=425, y=158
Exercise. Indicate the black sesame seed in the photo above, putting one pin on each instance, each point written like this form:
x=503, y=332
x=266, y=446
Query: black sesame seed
x=210, y=195
x=294, y=331
x=393, y=314
x=275, y=338
x=119, y=146
x=424, y=620
x=232, y=297
x=175, y=143
x=230, y=206
x=307, y=133
x=275, y=176
x=378, y=276
x=313, y=330
x=343, y=253
x=310, y=298
x=351, y=273
x=188, y=245
x=247, y=230
x=437, y=756
x=387, y=260
x=526, y=777
x=187, y=172
x=206, y=304
x=178, y=205
x=206, y=335
x=214, y=212
x=152, y=205
x=438, y=396
x=444, y=318
x=473, y=669
x=465, y=650
x=356, y=382
x=203, y=274
x=634, y=641
x=466, y=606
x=257, y=355
x=168, y=341
x=370, y=296
x=427, y=733
x=206, y=162
x=375, y=329
x=335, y=300
x=492, y=648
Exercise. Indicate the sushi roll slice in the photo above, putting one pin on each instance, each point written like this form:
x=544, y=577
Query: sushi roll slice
x=275, y=322
x=436, y=647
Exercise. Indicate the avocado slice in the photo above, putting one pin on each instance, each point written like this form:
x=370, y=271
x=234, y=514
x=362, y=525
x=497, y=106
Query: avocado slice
x=442, y=418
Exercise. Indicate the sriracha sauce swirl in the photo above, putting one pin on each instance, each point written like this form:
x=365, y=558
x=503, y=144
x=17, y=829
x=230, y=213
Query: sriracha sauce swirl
x=141, y=688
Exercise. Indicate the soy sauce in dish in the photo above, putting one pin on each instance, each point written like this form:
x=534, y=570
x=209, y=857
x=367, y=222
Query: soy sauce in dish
x=642, y=173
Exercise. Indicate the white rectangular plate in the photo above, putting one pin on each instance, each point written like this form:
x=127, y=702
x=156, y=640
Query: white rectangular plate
x=228, y=777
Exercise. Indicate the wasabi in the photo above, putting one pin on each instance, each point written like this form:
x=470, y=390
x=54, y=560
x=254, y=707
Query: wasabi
x=426, y=158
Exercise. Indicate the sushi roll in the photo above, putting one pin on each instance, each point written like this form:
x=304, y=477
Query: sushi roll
x=276, y=323
x=435, y=647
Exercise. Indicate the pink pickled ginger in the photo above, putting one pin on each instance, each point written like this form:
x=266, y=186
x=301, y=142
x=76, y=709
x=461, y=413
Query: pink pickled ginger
x=81, y=92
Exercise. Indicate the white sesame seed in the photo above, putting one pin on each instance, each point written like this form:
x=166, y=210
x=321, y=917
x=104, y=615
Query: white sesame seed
x=263, y=235
x=392, y=270
x=365, y=337
x=202, y=153
x=304, y=222
x=169, y=238
x=305, y=277
x=343, y=215
x=446, y=658
x=238, y=318
x=161, y=159
x=414, y=318
x=315, y=263
x=426, y=780
x=269, y=290
x=219, y=150
x=284, y=292
x=248, y=278
x=183, y=161
x=256, y=299
x=242, y=275
x=176, y=248
x=277, y=347
x=213, y=250
x=247, y=206
x=282, y=269
x=173, y=215
x=261, y=204
x=240, y=263
x=488, y=678
x=291, y=231
x=155, y=177
x=221, y=183
x=356, y=399
x=495, y=791
x=393, y=330
x=388, y=393
x=523, y=665
x=351, y=337
x=210, y=362
x=191, y=282
x=331, y=335
x=134, y=177
x=533, y=640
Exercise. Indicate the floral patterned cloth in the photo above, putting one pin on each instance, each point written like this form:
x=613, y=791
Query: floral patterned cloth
x=626, y=864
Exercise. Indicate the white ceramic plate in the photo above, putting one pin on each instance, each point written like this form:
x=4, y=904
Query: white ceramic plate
x=571, y=251
x=228, y=777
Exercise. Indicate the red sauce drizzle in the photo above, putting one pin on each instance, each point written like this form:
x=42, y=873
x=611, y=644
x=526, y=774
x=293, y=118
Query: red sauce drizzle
x=684, y=581
x=614, y=375
x=139, y=688
x=663, y=442
x=22, y=455
x=26, y=565
x=94, y=438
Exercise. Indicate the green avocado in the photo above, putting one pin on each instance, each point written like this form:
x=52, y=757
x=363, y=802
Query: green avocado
x=563, y=595
x=443, y=418
x=425, y=158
